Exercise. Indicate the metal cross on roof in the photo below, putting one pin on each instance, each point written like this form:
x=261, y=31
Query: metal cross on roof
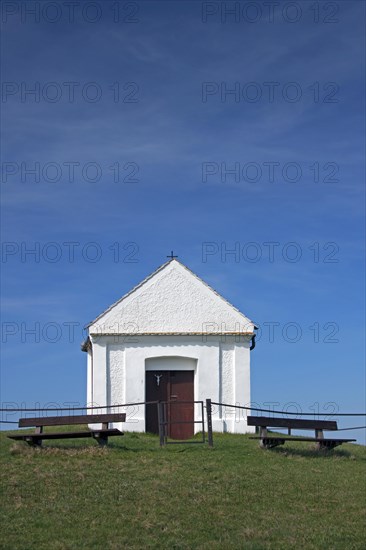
x=172, y=256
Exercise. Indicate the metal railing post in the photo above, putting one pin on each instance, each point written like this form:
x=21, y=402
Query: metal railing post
x=161, y=423
x=209, y=422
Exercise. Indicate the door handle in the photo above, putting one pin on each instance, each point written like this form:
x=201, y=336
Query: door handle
x=172, y=396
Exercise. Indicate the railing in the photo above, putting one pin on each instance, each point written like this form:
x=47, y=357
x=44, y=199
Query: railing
x=164, y=422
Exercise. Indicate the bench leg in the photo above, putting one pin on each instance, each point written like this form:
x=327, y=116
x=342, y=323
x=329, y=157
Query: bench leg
x=268, y=443
x=102, y=439
x=34, y=442
x=327, y=445
x=262, y=431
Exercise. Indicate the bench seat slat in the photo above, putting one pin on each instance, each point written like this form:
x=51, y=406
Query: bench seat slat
x=294, y=423
x=71, y=420
x=67, y=435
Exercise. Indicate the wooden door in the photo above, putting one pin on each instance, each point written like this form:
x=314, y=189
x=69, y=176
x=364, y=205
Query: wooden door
x=181, y=389
x=171, y=386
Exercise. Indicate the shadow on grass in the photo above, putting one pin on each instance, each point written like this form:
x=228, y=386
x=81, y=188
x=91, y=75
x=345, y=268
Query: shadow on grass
x=92, y=448
x=130, y=446
x=312, y=452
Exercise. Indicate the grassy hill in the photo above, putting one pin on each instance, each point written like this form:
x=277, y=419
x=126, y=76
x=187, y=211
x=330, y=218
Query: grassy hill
x=75, y=495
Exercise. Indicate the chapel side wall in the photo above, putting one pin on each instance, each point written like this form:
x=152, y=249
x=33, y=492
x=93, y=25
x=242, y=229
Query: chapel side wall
x=99, y=378
x=242, y=387
x=116, y=376
x=234, y=382
x=89, y=377
x=222, y=415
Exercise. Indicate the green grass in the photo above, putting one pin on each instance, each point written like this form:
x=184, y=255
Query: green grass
x=74, y=495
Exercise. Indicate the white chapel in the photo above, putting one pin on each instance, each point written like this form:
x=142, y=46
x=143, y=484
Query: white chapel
x=171, y=338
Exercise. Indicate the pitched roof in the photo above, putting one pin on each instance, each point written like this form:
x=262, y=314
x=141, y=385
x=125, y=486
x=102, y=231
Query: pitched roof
x=181, y=295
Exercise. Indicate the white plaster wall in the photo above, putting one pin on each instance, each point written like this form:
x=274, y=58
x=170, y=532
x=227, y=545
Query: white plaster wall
x=227, y=373
x=116, y=374
x=173, y=300
x=242, y=388
x=89, y=387
x=171, y=363
x=99, y=373
x=118, y=371
x=227, y=378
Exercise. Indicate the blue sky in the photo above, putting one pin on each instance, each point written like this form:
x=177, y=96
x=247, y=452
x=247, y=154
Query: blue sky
x=172, y=133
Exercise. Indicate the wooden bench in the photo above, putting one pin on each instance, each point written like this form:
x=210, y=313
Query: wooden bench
x=101, y=435
x=268, y=441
